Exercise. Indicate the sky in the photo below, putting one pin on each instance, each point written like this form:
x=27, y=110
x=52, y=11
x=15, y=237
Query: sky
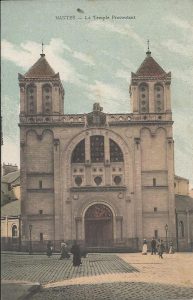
x=95, y=45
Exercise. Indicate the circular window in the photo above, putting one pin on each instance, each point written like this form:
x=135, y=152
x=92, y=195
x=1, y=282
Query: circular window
x=98, y=180
x=47, y=110
x=143, y=102
x=100, y=170
x=144, y=109
x=143, y=89
x=117, y=180
x=47, y=97
x=158, y=95
x=78, y=180
x=158, y=102
x=31, y=104
x=143, y=95
x=81, y=170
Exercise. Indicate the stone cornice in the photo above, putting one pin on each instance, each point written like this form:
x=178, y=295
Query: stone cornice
x=98, y=189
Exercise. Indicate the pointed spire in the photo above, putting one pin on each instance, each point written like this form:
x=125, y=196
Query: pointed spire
x=42, y=54
x=148, y=51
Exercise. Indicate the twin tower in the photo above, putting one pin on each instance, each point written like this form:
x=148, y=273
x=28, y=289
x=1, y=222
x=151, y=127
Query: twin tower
x=105, y=180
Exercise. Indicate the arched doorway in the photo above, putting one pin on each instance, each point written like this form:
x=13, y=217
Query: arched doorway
x=98, y=226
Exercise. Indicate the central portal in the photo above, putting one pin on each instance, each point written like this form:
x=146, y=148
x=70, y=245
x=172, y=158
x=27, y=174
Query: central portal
x=98, y=226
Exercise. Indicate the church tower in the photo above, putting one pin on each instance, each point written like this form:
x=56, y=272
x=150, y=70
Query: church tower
x=41, y=102
x=151, y=105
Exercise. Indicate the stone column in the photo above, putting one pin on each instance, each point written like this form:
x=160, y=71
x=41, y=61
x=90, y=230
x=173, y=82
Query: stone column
x=55, y=99
x=87, y=160
x=107, y=159
x=171, y=194
x=188, y=226
x=138, y=191
x=134, y=98
x=151, y=98
x=39, y=99
x=57, y=194
x=23, y=181
x=167, y=97
x=23, y=104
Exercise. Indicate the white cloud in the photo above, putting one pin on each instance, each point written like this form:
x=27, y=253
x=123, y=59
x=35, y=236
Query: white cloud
x=124, y=30
x=109, y=96
x=84, y=57
x=123, y=74
x=24, y=55
x=179, y=48
x=178, y=22
x=10, y=151
x=185, y=75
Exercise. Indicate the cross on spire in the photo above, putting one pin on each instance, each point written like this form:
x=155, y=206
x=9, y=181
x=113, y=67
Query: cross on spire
x=148, y=51
x=42, y=54
x=148, y=45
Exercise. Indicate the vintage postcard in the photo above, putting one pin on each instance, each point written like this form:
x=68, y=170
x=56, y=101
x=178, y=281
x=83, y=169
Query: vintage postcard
x=96, y=143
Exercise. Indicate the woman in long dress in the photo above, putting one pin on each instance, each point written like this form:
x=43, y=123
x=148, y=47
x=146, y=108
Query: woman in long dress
x=144, y=249
x=75, y=250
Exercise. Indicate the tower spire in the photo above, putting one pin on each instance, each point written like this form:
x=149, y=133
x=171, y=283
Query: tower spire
x=148, y=51
x=42, y=54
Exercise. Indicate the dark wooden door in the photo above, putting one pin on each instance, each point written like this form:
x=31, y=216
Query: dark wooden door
x=98, y=226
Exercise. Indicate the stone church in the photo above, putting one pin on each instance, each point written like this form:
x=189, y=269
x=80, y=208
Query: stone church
x=105, y=180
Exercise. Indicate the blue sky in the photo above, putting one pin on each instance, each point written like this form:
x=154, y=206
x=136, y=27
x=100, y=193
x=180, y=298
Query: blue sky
x=95, y=58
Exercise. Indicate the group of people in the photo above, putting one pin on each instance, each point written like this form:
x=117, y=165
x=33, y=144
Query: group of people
x=156, y=247
x=75, y=250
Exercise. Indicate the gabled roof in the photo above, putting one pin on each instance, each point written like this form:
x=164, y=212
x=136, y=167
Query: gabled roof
x=11, y=177
x=150, y=67
x=40, y=69
x=11, y=209
x=183, y=202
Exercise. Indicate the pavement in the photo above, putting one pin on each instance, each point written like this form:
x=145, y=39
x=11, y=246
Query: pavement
x=101, y=276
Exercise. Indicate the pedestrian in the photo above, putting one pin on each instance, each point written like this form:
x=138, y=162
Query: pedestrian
x=64, y=251
x=153, y=246
x=160, y=248
x=144, y=249
x=171, y=250
x=75, y=250
x=49, y=249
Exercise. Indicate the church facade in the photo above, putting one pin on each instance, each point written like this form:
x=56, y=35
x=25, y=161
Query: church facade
x=105, y=180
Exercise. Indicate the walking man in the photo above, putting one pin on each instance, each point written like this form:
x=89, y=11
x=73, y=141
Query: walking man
x=153, y=246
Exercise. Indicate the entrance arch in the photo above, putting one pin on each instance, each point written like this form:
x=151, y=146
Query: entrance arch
x=98, y=226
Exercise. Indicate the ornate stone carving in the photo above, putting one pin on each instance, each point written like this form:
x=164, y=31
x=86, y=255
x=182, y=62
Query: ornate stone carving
x=98, y=211
x=96, y=117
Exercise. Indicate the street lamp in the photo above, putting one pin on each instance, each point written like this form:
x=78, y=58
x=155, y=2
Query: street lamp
x=30, y=242
x=166, y=229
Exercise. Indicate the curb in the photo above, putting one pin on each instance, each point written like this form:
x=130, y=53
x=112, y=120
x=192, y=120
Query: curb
x=35, y=288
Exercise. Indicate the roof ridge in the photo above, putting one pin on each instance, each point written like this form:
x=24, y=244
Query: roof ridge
x=150, y=67
x=40, y=68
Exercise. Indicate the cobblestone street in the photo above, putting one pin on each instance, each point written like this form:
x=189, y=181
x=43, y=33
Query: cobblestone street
x=104, y=276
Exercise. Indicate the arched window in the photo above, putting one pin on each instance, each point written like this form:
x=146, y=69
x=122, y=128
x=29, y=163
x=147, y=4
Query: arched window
x=143, y=98
x=31, y=100
x=159, y=98
x=116, y=155
x=47, y=99
x=181, y=224
x=78, y=154
x=14, y=231
x=97, y=148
